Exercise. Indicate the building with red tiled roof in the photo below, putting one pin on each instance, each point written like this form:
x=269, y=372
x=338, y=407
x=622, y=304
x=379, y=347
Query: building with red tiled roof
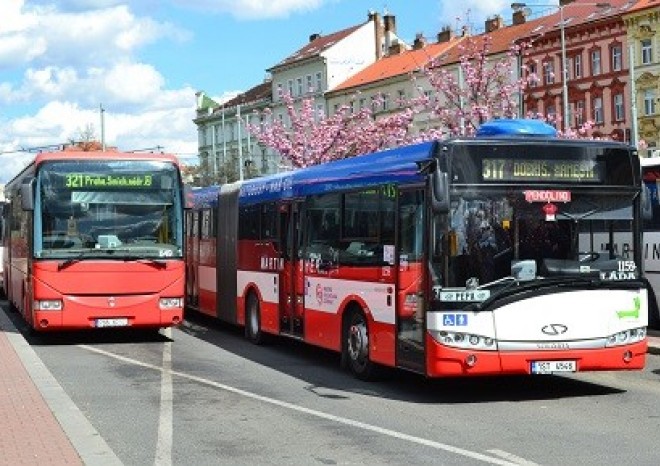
x=597, y=67
x=226, y=147
x=387, y=83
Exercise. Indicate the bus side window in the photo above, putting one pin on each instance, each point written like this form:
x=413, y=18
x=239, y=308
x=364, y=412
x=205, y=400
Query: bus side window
x=322, y=227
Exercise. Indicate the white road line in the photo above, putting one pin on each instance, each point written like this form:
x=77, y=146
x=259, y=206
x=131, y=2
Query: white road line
x=513, y=458
x=341, y=420
x=164, y=444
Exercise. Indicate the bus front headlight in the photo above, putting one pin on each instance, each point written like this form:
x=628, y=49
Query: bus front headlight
x=626, y=337
x=47, y=305
x=464, y=340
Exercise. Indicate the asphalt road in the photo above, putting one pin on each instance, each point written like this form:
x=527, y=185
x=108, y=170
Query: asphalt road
x=207, y=396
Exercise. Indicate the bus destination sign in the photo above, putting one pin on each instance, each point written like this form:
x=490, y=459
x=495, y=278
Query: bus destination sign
x=97, y=181
x=510, y=169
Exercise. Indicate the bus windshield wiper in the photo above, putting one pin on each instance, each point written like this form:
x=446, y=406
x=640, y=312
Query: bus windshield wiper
x=127, y=257
x=72, y=260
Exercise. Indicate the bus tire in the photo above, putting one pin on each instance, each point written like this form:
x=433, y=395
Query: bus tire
x=355, y=346
x=253, y=320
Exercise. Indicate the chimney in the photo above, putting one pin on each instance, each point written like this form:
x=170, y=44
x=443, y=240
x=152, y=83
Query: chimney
x=390, y=29
x=494, y=23
x=396, y=48
x=519, y=17
x=390, y=23
x=420, y=42
x=313, y=37
x=445, y=34
x=378, y=33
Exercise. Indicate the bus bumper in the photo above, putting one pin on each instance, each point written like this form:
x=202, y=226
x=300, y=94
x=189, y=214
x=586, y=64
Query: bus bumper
x=107, y=312
x=443, y=361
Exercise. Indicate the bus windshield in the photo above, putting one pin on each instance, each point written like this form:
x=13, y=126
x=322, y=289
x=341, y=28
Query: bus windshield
x=111, y=209
x=555, y=233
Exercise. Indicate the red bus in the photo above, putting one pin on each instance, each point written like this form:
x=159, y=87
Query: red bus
x=94, y=240
x=471, y=256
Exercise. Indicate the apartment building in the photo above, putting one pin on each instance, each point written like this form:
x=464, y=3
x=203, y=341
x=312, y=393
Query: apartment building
x=596, y=67
x=390, y=83
x=642, y=22
x=319, y=65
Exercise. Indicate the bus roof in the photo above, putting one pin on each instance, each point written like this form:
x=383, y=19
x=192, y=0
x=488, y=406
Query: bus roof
x=517, y=127
x=199, y=198
x=108, y=155
x=91, y=155
x=393, y=165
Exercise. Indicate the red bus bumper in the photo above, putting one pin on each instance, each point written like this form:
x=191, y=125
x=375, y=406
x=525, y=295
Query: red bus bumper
x=443, y=361
x=98, y=312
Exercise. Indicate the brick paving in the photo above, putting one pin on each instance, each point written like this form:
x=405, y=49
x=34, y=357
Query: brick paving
x=29, y=431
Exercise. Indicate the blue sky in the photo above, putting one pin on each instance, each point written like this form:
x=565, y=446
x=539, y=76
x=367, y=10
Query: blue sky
x=145, y=59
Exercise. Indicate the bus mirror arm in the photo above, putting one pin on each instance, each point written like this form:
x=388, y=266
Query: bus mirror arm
x=27, y=194
x=439, y=192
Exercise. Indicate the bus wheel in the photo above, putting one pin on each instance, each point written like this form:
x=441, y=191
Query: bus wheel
x=355, y=351
x=252, y=320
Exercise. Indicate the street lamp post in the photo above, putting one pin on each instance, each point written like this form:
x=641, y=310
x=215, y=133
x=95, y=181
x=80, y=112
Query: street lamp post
x=562, y=39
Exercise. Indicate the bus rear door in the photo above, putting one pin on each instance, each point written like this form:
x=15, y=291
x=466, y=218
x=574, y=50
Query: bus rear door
x=410, y=280
x=291, y=277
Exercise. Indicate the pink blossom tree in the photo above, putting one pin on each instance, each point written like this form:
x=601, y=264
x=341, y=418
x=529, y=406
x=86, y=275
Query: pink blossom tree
x=311, y=138
x=479, y=88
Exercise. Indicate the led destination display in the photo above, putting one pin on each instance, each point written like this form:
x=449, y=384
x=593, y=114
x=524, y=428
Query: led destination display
x=88, y=180
x=542, y=170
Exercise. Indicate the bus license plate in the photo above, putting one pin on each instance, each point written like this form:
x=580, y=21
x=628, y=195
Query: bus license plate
x=120, y=322
x=550, y=367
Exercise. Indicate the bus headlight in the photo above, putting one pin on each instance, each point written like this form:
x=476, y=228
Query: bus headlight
x=47, y=305
x=626, y=337
x=464, y=340
x=170, y=303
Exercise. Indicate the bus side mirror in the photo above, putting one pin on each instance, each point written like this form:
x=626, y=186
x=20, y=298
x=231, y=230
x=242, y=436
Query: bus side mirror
x=439, y=192
x=27, y=195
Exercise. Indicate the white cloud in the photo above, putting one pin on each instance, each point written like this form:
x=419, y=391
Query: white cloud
x=133, y=82
x=254, y=9
x=167, y=123
x=50, y=37
x=64, y=58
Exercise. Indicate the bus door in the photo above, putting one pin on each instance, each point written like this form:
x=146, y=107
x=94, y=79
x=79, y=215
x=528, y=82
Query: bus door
x=192, y=262
x=291, y=279
x=411, y=301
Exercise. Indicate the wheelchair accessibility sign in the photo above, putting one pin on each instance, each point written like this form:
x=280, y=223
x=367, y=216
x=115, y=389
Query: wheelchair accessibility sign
x=455, y=320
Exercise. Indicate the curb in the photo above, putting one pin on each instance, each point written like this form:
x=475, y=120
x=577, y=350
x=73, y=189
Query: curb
x=86, y=440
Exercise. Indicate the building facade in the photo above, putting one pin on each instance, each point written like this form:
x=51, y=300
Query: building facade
x=321, y=64
x=642, y=23
x=369, y=65
x=596, y=68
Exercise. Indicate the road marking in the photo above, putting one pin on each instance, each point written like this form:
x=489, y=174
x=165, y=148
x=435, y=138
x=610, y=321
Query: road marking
x=513, y=458
x=165, y=418
x=312, y=412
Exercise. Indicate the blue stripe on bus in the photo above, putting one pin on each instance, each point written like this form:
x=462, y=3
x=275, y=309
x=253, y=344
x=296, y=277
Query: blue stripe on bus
x=397, y=165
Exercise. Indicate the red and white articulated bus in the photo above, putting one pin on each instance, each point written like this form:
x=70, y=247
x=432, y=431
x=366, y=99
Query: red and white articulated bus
x=471, y=256
x=95, y=240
